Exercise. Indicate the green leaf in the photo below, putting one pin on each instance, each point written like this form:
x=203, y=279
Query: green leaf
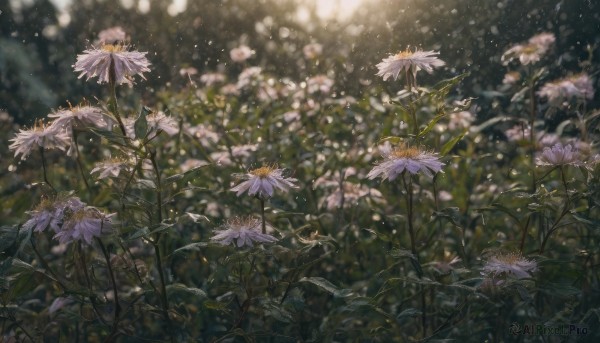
x=189, y=248
x=141, y=123
x=178, y=288
x=409, y=312
x=451, y=143
x=328, y=286
x=431, y=125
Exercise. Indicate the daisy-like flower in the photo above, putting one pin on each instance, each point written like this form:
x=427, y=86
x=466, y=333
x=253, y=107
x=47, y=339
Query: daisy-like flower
x=159, y=121
x=403, y=158
x=241, y=53
x=511, y=78
x=80, y=117
x=110, y=168
x=49, y=213
x=531, y=52
x=240, y=152
x=578, y=86
x=460, y=120
x=559, y=155
x=351, y=194
x=409, y=62
x=39, y=136
x=263, y=181
x=210, y=79
x=244, y=231
x=84, y=225
x=510, y=265
x=112, y=59
x=112, y=35
x=249, y=76
x=319, y=83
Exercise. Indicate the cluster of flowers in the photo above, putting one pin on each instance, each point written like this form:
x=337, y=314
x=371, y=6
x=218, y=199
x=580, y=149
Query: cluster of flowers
x=70, y=219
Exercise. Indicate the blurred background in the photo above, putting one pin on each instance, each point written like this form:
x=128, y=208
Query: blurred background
x=40, y=40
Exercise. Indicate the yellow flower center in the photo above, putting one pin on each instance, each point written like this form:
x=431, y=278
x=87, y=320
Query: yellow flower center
x=404, y=54
x=262, y=172
x=405, y=152
x=45, y=204
x=511, y=258
x=113, y=48
x=530, y=49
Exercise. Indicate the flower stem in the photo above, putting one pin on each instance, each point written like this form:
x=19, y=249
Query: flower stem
x=532, y=113
x=44, y=170
x=262, y=215
x=79, y=164
x=113, y=105
x=117, y=312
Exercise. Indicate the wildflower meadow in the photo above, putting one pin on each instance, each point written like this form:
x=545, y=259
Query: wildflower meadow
x=298, y=175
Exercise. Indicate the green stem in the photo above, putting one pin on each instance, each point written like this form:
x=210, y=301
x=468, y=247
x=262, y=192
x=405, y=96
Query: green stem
x=262, y=214
x=117, y=312
x=79, y=164
x=44, y=170
x=113, y=105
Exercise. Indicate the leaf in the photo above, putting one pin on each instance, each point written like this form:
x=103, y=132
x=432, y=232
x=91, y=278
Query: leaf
x=181, y=288
x=409, y=312
x=189, y=247
x=451, y=143
x=399, y=253
x=183, y=177
x=141, y=123
x=431, y=125
x=328, y=286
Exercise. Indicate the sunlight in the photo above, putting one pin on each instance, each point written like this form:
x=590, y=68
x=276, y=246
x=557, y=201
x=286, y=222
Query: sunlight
x=337, y=9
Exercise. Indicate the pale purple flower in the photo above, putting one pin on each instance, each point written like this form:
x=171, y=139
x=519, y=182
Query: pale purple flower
x=49, y=213
x=80, y=117
x=241, y=53
x=59, y=303
x=210, y=79
x=110, y=168
x=112, y=35
x=531, y=52
x=263, y=182
x=578, y=86
x=319, y=83
x=559, y=155
x=98, y=63
x=410, y=63
x=312, y=50
x=241, y=152
x=39, y=136
x=248, y=76
x=230, y=89
x=401, y=159
x=510, y=265
x=244, y=231
x=511, y=78
x=159, y=121
x=84, y=225
x=204, y=134
x=460, y=120
x=352, y=192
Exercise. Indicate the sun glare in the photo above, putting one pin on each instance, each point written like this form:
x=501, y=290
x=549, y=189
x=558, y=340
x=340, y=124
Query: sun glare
x=328, y=9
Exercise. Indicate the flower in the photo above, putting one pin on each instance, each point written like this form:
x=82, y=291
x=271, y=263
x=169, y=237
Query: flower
x=112, y=35
x=50, y=213
x=511, y=78
x=79, y=117
x=40, y=135
x=263, y=181
x=210, y=79
x=410, y=62
x=248, y=76
x=159, y=121
x=559, y=155
x=460, y=120
x=510, y=264
x=238, y=152
x=112, y=59
x=578, y=86
x=110, y=168
x=319, y=83
x=244, y=231
x=83, y=225
x=241, y=53
x=312, y=50
x=351, y=193
x=531, y=52
x=403, y=159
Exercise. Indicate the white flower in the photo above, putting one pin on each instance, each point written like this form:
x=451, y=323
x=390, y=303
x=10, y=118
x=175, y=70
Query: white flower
x=248, y=77
x=40, y=136
x=84, y=225
x=204, y=134
x=241, y=152
x=80, y=117
x=511, y=78
x=110, y=168
x=351, y=194
x=319, y=83
x=99, y=62
x=312, y=50
x=263, y=182
x=241, y=53
x=244, y=231
x=531, y=52
x=510, y=264
x=408, y=159
x=50, y=213
x=409, y=62
x=559, y=155
x=460, y=120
